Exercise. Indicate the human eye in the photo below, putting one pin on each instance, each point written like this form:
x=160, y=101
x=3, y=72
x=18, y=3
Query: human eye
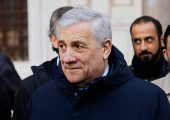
x=149, y=39
x=78, y=47
x=62, y=47
x=137, y=41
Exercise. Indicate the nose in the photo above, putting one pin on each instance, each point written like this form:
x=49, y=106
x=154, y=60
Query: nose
x=143, y=46
x=69, y=56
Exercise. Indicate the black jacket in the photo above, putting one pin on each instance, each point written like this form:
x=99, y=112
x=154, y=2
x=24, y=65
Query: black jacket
x=149, y=72
x=9, y=77
x=5, y=109
x=41, y=75
x=116, y=96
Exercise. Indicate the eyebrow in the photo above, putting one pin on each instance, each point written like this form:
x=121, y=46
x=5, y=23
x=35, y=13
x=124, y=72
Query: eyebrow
x=78, y=42
x=149, y=37
x=60, y=41
x=136, y=39
x=73, y=42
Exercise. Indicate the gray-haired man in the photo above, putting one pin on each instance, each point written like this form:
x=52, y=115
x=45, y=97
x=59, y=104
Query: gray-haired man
x=93, y=81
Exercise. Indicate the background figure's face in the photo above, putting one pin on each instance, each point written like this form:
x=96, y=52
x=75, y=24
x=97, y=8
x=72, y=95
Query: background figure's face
x=82, y=61
x=55, y=43
x=166, y=52
x=146, y=42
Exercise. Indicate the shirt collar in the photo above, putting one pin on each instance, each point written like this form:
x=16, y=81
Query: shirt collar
x=106, y=71
x=57, y=61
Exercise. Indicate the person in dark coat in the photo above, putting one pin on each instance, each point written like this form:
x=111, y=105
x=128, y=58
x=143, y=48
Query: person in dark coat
x=9, y=78
x=148, y=62
x=5, y=108
x=41, y=74
x=93, y=81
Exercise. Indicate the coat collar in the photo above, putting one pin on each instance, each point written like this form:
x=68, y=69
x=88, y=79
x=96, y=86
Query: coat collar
x=119, y=73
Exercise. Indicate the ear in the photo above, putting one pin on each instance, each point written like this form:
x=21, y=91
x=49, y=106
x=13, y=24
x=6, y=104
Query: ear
x=162, y=41
x=54, y=41
x=165, y=54
x=107, y=46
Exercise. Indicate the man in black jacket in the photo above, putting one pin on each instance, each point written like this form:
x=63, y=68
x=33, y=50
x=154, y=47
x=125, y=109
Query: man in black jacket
x=5, y=108
x=9, y=78
x=148, y=62
x=41, y=74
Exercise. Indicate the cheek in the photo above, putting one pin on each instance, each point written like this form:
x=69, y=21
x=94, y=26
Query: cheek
x=137, y=50
x=152, y=48
x=87, y=60
x=168, y=56
x=61, y=57
x=96, y=58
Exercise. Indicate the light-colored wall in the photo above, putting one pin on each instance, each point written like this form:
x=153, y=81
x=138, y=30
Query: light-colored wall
x=121, y=13
x=159, y=9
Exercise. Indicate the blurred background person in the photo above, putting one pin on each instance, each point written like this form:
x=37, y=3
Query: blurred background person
x=5, y=108
x=9, y=78
x=164, y=82
x=41, y=74
x=148, y=62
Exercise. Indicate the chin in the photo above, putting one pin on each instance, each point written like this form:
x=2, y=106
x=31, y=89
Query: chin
x=73, y=79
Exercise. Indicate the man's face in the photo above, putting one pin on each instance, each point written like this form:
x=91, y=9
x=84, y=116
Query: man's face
x=146, y=43
x=166, y=52
x=82, y=61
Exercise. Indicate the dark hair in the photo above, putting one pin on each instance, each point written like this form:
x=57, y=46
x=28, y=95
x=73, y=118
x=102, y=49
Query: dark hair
x=56, y=15
x=145, y=19
x=167, y=33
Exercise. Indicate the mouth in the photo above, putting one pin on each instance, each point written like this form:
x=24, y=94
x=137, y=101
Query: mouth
x=145, y=55
x=72, y=68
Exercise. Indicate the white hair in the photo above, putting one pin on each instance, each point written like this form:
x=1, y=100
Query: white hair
x=100, y=24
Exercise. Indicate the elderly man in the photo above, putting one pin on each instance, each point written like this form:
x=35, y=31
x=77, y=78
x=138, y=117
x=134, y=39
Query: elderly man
x=93, y=81
x=164, y=82
x=148, y=62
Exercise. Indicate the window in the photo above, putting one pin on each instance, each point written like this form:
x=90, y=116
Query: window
x=14, y=29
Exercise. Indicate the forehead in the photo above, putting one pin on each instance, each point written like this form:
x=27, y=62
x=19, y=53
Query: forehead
x=146, y=29
x=80, y=30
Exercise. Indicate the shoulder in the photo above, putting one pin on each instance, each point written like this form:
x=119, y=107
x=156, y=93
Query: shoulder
x=5, y=60
x=27, y=85
x=3, y=57
x=147, y=90
x=29, y=81
x=39, y=77
x=145, y=86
